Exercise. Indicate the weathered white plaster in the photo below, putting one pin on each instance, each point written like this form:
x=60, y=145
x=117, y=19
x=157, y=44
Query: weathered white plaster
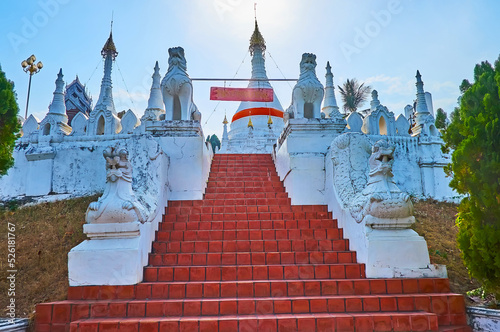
x=483, y=319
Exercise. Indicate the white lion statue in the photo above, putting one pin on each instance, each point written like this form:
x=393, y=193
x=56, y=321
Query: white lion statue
x=177, y=89
x=307, y=93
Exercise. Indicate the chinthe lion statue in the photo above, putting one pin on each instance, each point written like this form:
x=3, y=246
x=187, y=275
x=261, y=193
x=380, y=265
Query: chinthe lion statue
x=307, y=93
x=177, y=89
x=381, y=203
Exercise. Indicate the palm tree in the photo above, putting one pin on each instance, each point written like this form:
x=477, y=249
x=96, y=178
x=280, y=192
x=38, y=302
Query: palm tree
x=353, y=94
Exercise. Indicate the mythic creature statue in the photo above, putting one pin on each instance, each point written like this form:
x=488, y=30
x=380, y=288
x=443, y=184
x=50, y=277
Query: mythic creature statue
x=177, y=89
x=381, y=203
x=118, y=203
x=308, y=93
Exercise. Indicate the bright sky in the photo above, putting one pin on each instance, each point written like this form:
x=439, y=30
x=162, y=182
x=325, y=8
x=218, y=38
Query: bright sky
x=381, y=43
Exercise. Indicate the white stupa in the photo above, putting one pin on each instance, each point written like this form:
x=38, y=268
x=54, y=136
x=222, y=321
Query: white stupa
x=255, y=126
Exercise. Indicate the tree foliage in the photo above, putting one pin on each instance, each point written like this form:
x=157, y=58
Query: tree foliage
x=214, y=140
x=441, y=117
x=354, y=94
x=9, y=126
x=474, y=135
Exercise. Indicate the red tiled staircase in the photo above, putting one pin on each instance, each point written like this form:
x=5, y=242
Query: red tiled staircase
x=245, y=259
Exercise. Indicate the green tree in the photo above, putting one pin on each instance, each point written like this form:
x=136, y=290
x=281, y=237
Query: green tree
x=474, y=135
x=441, y=117
x=354, y=94
x=214, y=140
x=9, y=126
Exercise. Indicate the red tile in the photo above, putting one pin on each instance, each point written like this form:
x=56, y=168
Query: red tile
x=260, y=273
x=213, y=273
x=210, y=308
x=192, y=308
x=388, y=304
x=228, y=325
x=306, y=324
x=154, y=308
x=78, y=311
x=211, y=289
x=228, y=272
x=401, y=323
x=264, y=307
x=75, y=293
x=425, y=285
x=197, y=273
x=287, y=325
x=312, y=288
x=194, y=290
x=262, y=289
x=118, y=309
x=306, y=272
x=98, y=310
x=246, y=307
x=166, y=326
x=345, y=287
x=248, y=325
x=245, y=290
x=135, y=309
x=371, y=304
x=336, y=305
x=244, y=273
x=382, y=323
x=228, y=290
x=188, y=325
x=267, y=325
x=405, y=303
x=363, y=323
x=456, y=304
x=125, y=292
x=325, y=324
x=209, y=326
x=337, y=271
x=378, y=287
x=173, y=308
x=394, y=286
x=423, y=303
x=296, y=288
x=329, y=287
x=282, y=306
x=90, y=292
x=177, y=291
x=345, y=323
x=353, y=304
x=318, y=305
x=275, y=272
x=419, y=323
x=439, y=305
x=143, y=291
x=228, y=308
x=410, y=286
x=159, y=291
x=300, y=306
x=442, y=285
x=43, y=313
x=165, y=274
x=291, y=272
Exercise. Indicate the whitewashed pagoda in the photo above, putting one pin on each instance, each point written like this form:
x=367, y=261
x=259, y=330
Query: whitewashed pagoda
x=255, y=126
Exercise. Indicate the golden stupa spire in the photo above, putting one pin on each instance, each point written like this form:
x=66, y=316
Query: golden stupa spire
x=270, y=121
x=250, y=124
x=256, y=40
x=109, y=46
x=225, y=120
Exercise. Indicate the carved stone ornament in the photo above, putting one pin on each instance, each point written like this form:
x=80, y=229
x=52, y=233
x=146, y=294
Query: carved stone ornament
x=177, y=84
x=118, y=204
x=381, y=204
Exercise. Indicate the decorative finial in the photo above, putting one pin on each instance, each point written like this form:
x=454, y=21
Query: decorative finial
x=270, y=121
x=109, y=47
x=257, y=41
x=328, y=68
x=250, y=124
x=225, y=120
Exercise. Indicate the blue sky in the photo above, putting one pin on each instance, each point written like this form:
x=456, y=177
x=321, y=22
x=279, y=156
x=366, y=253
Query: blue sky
x=381, y=43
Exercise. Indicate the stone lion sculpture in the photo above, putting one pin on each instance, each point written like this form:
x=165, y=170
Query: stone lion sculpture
x=118, y=203
x=177, y=89
x=365, y=184
x=381, y=203
x=308, y=93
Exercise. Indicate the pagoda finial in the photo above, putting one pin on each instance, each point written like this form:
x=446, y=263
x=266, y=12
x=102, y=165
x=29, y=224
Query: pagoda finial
x=109, y=47
x=225, y=120
x=250, y=124
x=257, y=40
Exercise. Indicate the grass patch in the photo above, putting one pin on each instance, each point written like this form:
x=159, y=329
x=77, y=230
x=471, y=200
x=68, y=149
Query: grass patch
x=45, y=233
x=435, y=221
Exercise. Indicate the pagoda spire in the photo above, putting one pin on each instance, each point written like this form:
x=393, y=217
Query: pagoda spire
x=330, y=107
x=57, y=107
x=257, y=48
x=109, y=54
x=374, y=103
x=421, y=102
x=155, y=101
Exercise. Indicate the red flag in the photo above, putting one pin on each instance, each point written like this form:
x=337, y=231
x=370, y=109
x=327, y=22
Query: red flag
x=241, y=94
